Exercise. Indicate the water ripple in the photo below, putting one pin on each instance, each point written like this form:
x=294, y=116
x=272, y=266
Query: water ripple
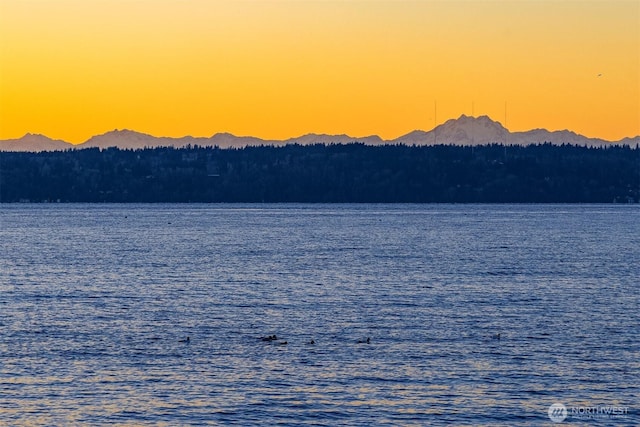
x=475, y=315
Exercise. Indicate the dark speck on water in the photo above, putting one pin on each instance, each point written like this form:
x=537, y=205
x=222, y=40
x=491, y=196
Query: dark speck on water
x=481, y=315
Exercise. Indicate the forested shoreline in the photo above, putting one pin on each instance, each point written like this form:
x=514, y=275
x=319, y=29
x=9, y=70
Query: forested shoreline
x=339, y=173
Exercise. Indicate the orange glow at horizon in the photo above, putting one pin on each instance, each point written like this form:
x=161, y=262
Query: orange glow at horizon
x=275, y=69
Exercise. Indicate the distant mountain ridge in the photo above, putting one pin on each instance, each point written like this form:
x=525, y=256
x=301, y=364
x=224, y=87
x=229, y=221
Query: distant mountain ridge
x=464, y=131
x=34, y=142
x=467, y=131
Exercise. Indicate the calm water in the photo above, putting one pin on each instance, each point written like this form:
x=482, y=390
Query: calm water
x=96, y=299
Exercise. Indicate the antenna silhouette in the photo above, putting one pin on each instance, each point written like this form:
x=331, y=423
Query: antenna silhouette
x=505, y=114
x=473, y=127
x=506, y=131
x=435, y=122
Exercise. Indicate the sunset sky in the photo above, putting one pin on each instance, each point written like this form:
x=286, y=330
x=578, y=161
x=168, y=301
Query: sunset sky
x=70, y=69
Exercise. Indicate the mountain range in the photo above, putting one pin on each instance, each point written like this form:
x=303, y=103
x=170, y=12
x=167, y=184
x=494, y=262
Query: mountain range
x=464, y=130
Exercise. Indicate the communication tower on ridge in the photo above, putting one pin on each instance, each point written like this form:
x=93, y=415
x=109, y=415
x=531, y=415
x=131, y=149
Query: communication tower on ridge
x=435, y=122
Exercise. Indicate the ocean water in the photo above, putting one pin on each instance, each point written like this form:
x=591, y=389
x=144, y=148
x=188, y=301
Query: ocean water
x=97, y=302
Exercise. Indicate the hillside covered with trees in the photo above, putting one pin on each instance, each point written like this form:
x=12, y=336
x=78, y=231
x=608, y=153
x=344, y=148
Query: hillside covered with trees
x=326, y=173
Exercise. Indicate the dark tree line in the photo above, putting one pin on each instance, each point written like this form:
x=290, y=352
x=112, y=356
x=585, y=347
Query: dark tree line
x=326, y=173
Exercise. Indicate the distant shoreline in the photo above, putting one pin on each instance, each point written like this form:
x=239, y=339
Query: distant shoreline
x=341, y=173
